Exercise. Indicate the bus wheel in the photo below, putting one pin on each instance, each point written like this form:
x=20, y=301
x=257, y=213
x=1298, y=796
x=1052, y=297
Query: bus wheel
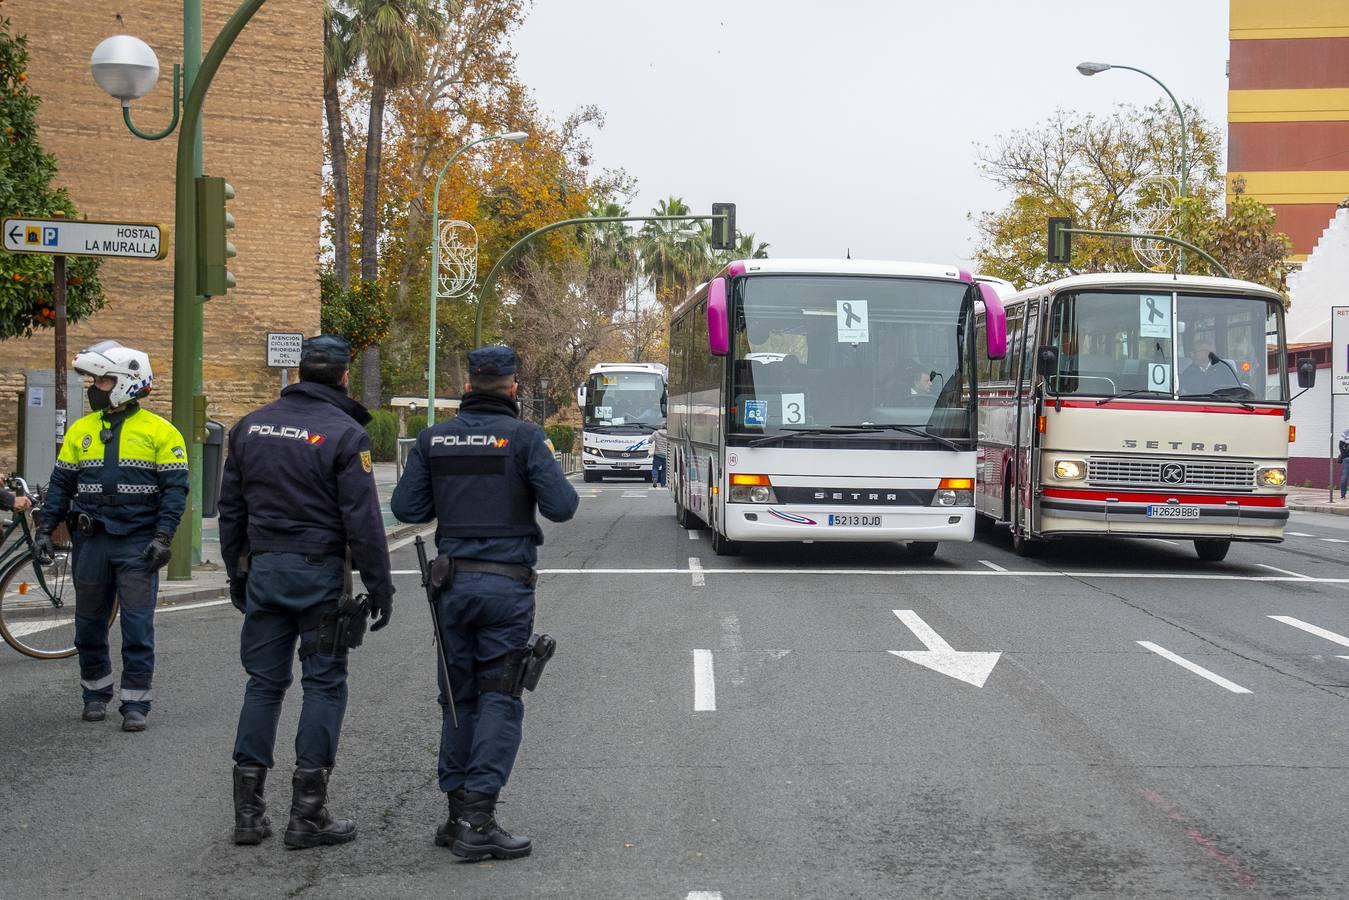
x=722, y=546
x=922, y=549
x=1022, y=545
x=1212, y=551
x=590, y=477
x=683, y=518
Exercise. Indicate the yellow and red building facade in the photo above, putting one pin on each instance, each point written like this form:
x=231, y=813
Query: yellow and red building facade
x=1288, y=110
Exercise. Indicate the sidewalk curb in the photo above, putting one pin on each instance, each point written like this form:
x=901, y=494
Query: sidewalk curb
x=1340, y=509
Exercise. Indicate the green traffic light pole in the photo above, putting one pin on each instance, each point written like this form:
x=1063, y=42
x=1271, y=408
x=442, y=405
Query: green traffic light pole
x=189, y=407
x=514, y=137
x=490, y=281
x=1166, y=238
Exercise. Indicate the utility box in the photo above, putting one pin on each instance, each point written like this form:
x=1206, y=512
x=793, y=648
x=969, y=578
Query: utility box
x=37, y=421
x=212, y=467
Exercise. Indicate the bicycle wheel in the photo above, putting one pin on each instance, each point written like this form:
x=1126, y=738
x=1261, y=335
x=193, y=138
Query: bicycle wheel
x=37, y=606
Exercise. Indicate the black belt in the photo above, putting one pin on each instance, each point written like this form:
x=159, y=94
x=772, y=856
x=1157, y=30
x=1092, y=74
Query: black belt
x=523, y=574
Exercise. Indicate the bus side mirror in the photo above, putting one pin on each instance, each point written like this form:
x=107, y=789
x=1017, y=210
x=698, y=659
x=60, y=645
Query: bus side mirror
x=1047, y=361
x=718, y=322
x=1306, y=373
x=665, y=403
x=995, y=321
x=581, y=396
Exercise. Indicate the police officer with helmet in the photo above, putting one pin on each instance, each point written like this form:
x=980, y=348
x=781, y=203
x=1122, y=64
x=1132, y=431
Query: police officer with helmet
x=298, y=497
x=481, y=476
x=120, y=485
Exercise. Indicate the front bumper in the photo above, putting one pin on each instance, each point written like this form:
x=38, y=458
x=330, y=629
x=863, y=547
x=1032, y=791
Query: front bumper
x=1248, y=517
x=800, y=522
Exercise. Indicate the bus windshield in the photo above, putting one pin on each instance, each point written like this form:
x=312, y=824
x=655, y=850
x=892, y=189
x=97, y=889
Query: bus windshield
x=630, y=400
x=1174, y=346
x=851, y=351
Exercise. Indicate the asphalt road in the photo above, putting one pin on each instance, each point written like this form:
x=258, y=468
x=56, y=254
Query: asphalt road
x=739, y=727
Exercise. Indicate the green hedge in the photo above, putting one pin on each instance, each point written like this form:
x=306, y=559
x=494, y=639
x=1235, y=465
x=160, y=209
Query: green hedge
x=562, y=436
x=416, y=425
x=383, y=429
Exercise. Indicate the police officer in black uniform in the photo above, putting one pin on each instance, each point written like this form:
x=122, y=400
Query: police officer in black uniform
x=481, y=476
x=298, y=496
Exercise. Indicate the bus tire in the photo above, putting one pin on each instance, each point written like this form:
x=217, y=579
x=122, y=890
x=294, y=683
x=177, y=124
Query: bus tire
x=590, y=477
x=922, y=549
x=684, y=518
x=1023, y=545
x=1210, y=550
x=724, y=546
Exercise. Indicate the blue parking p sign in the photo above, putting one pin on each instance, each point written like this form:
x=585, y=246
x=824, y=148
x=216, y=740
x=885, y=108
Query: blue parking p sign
x=50, y=237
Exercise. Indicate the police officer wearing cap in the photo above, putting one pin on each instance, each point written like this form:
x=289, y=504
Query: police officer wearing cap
x=481, y=476
x=298, y=496
x=120, y=485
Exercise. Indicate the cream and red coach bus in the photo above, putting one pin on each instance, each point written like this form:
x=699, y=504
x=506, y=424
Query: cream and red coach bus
x=1138, y=405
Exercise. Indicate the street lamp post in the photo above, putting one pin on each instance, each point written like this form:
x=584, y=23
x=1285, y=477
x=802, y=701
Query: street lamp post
x=515, y=137
x=1092, y=68
x=187, y=314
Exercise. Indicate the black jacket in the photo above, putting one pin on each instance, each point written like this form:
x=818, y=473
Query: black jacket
x=299, y=479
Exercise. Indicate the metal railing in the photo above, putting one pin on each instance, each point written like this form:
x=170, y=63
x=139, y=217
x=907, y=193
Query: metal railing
x=570, y=462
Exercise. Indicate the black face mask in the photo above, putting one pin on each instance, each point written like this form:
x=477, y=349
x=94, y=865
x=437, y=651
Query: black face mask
x=99, y=400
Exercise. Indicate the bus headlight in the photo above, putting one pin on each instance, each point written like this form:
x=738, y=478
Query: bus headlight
x=954, y=492
x=752, y=489
x=1271, y=476
x=1070, y=469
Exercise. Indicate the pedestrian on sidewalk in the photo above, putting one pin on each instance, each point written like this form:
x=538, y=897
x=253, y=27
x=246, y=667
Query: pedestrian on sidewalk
x=298, y=504
x=1344, y=462
x=481, y=476
x=660, y=448
x=120, y=485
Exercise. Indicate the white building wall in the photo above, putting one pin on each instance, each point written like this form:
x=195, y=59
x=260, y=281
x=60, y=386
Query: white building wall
x=1322, y=282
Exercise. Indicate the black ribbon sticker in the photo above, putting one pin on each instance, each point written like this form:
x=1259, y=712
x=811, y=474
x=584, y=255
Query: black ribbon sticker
x=849, y=315
x=1153, y=312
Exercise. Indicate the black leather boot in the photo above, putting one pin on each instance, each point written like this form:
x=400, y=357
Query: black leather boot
x=311, y=825
x=445, y=833
x=477, y=834
x=251, y=824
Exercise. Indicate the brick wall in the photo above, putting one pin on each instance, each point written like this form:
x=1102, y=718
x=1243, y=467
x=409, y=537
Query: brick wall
x=263, y=133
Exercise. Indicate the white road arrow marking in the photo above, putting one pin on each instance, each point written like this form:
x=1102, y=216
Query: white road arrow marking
x=1313, y=629
x=970, y=666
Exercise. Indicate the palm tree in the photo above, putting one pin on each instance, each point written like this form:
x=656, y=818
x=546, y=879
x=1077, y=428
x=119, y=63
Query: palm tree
x=668, y=250
x=746, y=248
x=339, y=56
x=392, y=36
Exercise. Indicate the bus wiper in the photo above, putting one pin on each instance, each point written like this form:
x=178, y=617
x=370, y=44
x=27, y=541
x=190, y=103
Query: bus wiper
x=1217, y=396
x=1104, y=400
x=923, y=432
x=793, y=432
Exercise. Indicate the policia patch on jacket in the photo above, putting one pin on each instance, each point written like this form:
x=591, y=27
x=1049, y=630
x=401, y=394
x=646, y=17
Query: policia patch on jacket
x=365, y=460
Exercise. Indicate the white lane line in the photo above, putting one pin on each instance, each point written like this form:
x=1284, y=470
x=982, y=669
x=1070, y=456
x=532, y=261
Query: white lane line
x=1333, y=540
x=703, y=895
x=26, y=628
x=1297, y=534
x=704, y=682
x=696, y=567
x=959, y=573
x=187, y=606
x=1195, y=668
x=693, y=534
x=992, y=565
x=1313, y=629
x=1284, y=571
x=636, y=495
x=1164, y=541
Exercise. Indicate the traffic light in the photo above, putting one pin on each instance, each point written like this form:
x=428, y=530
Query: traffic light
x=723, y=230
x=1060, y=241
x=214, y=249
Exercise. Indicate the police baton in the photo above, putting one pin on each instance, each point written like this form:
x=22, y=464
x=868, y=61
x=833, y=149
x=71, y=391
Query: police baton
x=435, y=625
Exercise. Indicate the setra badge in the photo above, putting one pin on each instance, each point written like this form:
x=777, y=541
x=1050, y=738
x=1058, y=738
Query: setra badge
x=365, y=460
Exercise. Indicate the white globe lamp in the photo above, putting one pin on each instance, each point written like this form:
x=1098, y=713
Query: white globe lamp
x=125, y=67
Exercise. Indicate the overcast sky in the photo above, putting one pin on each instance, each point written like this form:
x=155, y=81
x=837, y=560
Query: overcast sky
x=851, y=124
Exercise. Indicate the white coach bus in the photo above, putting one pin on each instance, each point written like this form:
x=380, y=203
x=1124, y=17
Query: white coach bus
x=622, y=406
x=828, y=400
x=1139, y=405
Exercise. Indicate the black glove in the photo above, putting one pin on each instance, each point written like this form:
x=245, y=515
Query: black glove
x=239, y=592
x=156, y=553
x=380, y=610
x=43, y=547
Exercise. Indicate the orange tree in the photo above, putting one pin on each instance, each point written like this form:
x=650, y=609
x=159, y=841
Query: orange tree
x=26, y=173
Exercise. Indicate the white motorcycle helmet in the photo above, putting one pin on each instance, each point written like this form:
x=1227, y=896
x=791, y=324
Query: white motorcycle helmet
x=131, y=369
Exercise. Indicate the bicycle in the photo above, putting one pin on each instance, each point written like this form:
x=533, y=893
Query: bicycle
x=37, y=597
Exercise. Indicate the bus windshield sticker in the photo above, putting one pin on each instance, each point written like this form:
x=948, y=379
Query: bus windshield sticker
x=604, y=412
x=852, y=321
x=756, y=412
x=793, y=409
x=1154, y=315
x=1159, y=377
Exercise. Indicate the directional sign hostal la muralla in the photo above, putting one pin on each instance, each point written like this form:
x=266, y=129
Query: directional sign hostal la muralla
x=73, y=237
